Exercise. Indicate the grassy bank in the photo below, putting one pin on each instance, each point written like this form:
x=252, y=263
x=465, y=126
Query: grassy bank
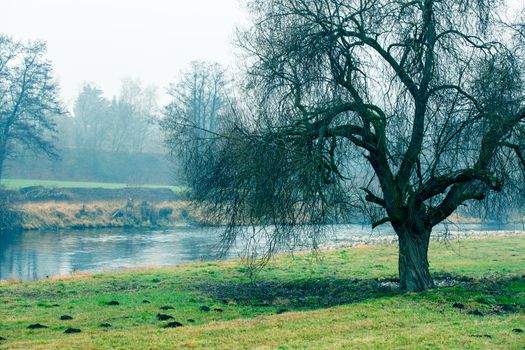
x=342, y=299
x=21, y=183
x=48, y=204
x=54, y=215
x=44, y=204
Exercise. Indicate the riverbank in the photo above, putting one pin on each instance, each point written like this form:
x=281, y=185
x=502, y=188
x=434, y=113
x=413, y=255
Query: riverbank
x=104, y=206
x=129, y=213
x=55, y=215
x=344, y=298
x=56, y=205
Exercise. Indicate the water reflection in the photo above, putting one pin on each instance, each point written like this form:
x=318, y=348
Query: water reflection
x=37, y=255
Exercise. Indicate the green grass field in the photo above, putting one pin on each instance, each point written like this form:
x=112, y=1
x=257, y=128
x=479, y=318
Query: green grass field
x=21, y=183
x=342, y=299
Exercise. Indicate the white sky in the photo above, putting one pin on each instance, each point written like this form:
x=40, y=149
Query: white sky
x=103, y=41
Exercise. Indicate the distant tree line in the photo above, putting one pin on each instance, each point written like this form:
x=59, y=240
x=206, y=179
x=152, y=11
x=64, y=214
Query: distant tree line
x=98, y=128
x=125, y=123
x=132, y=122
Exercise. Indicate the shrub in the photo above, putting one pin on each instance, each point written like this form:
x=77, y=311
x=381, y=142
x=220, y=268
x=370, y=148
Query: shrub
x=9, y=217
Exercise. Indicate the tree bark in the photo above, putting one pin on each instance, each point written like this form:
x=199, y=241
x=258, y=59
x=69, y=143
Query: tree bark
x=414, y=275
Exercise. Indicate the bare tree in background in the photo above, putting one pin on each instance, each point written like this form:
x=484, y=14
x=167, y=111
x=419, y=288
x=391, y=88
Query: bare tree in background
x=412, y=108
x=133, y=116
x=198, y=97
x=91, y=118
x=193, y=117
x=28, y=99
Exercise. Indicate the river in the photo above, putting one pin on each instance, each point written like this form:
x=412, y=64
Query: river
x=33, y=255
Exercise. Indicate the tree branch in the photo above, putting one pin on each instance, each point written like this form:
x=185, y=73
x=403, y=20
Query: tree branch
x=372, y=198
x=381, y=222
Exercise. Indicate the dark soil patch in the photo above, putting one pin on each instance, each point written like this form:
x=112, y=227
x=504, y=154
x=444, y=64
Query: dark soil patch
x=66, y=317
x=146, y=301
x=190, y=320
x=481, y=335
x=173, y=324
x=72, y=330
x=458, y=306
x=167, y=307
x=105, y=325
x=205, y=308
x=2, y=339
x=36, y=326
x=475, y=313
x=327, y=292
x=517, y=330
x=507, y=307
x=299, y=293
x=113, y=303
x=163, y=317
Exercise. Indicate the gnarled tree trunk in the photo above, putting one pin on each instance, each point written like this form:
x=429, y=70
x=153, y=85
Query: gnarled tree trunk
x=414, y=275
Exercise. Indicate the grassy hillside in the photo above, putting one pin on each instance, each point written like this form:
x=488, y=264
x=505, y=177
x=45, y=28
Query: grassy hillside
x=343, y=299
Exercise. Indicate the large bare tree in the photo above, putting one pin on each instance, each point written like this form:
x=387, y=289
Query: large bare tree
x=411, y=107
x=28, y=99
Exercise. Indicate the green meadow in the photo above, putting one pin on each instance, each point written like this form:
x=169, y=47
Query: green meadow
x=338, y=299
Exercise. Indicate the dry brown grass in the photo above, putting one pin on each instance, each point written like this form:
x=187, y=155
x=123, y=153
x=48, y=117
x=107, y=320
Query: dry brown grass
x=63, y=214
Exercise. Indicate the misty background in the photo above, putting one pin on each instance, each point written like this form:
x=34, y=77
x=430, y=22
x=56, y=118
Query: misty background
x=119, y=65
x=116, y=64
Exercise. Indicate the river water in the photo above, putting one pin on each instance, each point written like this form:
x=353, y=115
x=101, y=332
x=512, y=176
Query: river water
x=36, y=255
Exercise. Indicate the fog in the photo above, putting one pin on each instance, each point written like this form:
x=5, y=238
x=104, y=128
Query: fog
x=114, y=62
x=104, y=41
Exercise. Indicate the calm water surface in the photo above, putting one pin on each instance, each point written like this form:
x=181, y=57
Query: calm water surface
x=42, y=254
